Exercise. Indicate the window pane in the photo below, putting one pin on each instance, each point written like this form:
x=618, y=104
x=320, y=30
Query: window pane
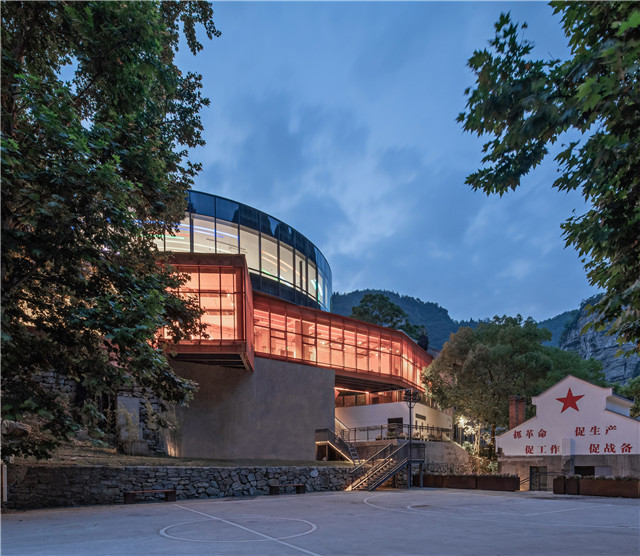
x=277, y=318
x=227, y=237
x=294, y=322
x=294, y=345
x=202, y=203
x=159, y=241
x=323, y=329
x=226, y=210
x=337, y=355
x=374, y=361
x=350, y=334
x=210, y=303
x=308, y=326
x=261, y=336
x=268, y=224
x=301, y=271
x=180, y=241
x=209, y=279
x=228, y=316
x=192, y=284
x=320, y=289
x=361, y=359
x=278, y=343
x=250, y=248
x=337, y=331
x=261, y=318
x=249, y=217
x=204, y=235
x=324, y=355
x=312, y=283
x=269, y=259
x=308, y=350
x=286, y=264
x=349, y=357
x=227, y=280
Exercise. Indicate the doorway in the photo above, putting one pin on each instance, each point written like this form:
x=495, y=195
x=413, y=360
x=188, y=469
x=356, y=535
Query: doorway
x=537, y=478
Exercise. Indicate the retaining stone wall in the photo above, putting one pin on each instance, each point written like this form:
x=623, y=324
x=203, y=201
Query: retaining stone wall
x=30, y=487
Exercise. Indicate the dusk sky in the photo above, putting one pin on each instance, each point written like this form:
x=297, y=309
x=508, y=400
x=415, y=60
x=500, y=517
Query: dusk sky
x=340, y=119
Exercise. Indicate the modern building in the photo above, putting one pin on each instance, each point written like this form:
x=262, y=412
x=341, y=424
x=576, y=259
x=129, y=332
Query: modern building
x=274, y=360
x=579, y=428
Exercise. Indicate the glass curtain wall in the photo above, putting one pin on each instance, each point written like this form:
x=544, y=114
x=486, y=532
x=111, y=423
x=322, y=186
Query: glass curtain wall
x=273, y=250
x=326, y=340
x=221, y=295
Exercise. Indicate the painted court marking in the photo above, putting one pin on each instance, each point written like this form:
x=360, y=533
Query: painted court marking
x=265, y=537
x=412, y=508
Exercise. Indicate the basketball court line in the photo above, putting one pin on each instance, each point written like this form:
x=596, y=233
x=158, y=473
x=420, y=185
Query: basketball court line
x=258, y=533
x=412, y=509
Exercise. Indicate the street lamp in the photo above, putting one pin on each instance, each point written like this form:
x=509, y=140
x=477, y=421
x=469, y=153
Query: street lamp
x=411, y=397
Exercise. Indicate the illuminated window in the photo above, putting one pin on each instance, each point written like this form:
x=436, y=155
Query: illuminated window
x=269, y=257
x=250, y=247
x=301, y=271
x=286, y=263
x=181, y=241
x=204, y=235
x=317, y=338
x=226, y=237
x=312, y=280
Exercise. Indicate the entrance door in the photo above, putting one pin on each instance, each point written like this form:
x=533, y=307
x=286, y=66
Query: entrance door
x=537, y=478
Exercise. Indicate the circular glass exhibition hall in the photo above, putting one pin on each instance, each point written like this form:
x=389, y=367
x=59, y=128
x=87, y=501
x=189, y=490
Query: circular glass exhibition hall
x=281, y=261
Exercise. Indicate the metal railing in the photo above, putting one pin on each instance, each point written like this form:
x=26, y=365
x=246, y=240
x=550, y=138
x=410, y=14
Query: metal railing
x=340, y=426
x=339, y=444
x=393, y=431
x=365, y=473
x=370, y=463
x=384, y=464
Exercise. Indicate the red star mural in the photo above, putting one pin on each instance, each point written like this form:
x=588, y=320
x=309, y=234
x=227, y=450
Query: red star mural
x=570, y=401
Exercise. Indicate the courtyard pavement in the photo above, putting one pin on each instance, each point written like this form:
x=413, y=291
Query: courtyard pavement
x=389, y=522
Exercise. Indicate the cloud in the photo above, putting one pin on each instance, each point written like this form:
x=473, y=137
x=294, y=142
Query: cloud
x=517, y=270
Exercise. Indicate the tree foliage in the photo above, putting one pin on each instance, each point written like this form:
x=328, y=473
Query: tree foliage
x=478, y=369
x=526, y=104
x=377, y=308
x=631, y=390
x=96, y=120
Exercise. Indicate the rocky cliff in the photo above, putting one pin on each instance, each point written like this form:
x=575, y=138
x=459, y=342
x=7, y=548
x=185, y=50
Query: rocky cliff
x=599, y=346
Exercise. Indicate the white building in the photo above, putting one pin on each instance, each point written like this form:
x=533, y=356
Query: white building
x=579, y=428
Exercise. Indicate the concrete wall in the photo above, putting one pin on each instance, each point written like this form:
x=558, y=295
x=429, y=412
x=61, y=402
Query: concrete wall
x=272, y=413
x=30, y=487
x=620, y=465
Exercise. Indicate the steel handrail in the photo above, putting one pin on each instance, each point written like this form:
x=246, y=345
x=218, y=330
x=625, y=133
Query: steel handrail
x=374, y=456
x=391, y=458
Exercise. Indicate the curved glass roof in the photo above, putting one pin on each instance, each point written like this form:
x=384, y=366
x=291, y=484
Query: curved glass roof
x=281, y=261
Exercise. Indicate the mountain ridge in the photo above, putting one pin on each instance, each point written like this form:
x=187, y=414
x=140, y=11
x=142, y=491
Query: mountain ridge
x=564, y=327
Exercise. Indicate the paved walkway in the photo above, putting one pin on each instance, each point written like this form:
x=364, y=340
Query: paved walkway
x=391, y=522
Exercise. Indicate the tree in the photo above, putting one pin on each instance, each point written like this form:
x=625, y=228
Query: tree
x=96, y=120
x=631, y=390
x=526, y=104
x=377, y=308
x=478, y=369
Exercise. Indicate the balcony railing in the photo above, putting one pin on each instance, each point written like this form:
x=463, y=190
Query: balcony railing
x=393, y=431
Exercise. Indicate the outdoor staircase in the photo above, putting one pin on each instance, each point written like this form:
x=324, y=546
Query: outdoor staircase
x=380, y=467
x=345, y=449
x=340, y=428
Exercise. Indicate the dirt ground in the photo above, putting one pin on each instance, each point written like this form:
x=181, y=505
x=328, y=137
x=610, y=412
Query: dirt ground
x=83, y=453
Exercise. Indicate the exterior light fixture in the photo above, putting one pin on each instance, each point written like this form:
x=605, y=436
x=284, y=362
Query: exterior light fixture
x=411, y=397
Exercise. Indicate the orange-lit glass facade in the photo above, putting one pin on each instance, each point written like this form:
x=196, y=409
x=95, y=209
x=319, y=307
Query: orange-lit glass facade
x=363, y=356
x=223, y=292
